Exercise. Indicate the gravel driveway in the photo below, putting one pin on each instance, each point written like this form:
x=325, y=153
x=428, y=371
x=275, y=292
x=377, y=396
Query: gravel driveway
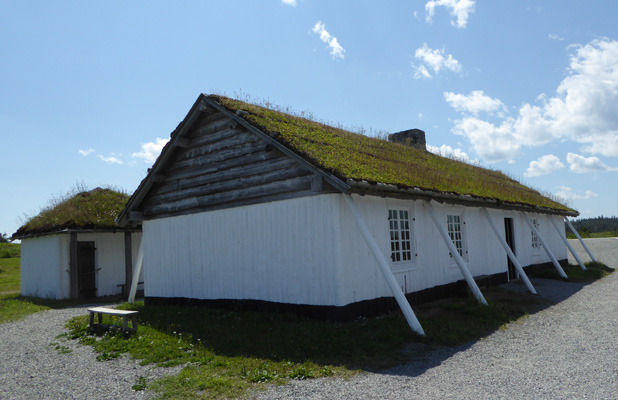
x=567, y=351
x=32, y=368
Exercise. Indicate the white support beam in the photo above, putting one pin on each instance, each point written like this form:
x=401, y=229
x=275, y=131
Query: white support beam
x=458, y=259
x=572, y=228
x=510, y=253
x=545, y=246
x=568, y=245
x=384, y=268
x=137, y=271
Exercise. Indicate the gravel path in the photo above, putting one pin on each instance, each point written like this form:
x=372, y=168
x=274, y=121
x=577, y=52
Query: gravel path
x=32, y=368
x=567, y=351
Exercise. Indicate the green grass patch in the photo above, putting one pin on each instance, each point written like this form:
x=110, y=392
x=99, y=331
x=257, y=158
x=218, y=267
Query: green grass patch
x=349, y=155
x=9, y=276
x=593, y=272
x=10, y=250
x=14, y=307
x=96, y=208
x=593, y=235
x=225, y=353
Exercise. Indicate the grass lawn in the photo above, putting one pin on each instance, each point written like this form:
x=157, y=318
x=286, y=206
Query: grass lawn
x=9, y=276
x=225, y=353
x=12, y=305
x=594, y=271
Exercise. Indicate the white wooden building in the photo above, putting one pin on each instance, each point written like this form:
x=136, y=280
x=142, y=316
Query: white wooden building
x=257, y=208
x=78, y=256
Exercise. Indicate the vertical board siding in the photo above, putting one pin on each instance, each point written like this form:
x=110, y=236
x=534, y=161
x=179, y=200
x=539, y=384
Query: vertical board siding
x=309, y=251
x=433, y=264
x=281, y=252
x=43, y=267
x=110, y=259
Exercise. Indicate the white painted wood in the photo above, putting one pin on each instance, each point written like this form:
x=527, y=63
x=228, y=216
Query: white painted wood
x=137, y=272
x=45, y=263
x=283, y=251
x=545, y=246
x=566, y=242
x=309, y=251
x=385, y=268
x=44, y=267
x=508, y=250
x=460, y=261
x=572, y=228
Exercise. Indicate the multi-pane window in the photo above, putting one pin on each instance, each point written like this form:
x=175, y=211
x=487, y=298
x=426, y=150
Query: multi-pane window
x=399, y=227
x=535, y=238
x=454, y=231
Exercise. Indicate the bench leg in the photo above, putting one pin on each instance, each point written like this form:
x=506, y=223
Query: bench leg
x=134, y=321
x=91, y=323
x=125, y=323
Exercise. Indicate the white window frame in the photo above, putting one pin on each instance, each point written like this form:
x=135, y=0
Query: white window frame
x=401, y=238
x=451, y=225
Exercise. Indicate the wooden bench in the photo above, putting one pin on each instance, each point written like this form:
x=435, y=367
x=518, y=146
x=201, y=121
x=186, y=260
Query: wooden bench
x=117, y=313
x=123, y=287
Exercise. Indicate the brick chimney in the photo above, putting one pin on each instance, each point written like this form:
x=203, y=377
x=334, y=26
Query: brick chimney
x=411, y=137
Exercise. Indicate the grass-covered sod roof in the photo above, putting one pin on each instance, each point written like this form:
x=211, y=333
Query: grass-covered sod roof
x=355, y=156
x=95, y=209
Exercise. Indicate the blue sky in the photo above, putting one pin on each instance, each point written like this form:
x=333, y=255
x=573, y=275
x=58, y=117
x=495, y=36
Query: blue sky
x=91, y=91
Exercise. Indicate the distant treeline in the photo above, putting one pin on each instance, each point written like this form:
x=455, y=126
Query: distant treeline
x=596, y=225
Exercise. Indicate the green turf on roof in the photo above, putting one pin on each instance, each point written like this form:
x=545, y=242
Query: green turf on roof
x=355, y=156
x=96, y=209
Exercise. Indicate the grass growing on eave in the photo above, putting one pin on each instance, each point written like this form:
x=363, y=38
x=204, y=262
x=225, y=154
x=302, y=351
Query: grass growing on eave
x=355, y=156
x=97, y=208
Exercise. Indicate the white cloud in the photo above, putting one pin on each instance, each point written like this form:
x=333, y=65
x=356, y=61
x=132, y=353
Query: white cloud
x=110, y=160
x=584, y=109
x=151, y=150
x=544, y=165
x=436, y=60
x=290, y=2
x=567, y=193
x=474, y=103
x=491, y=142
x=581, y=165
x=457, y=8
x=448, y=151
x=553, y=36
x=85, y=152
x=335, y=48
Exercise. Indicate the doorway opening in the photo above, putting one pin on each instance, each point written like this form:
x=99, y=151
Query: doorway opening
x=510, y=240
x=86, y=270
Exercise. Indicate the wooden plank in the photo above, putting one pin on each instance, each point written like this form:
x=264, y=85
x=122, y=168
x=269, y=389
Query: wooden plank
x=239, y=203
x=247, y=158
x=221, y=155
x=232, y=141
x=206, y=136
x=238, y=180
x=271, y=188
x=213, y=123
x=111, y=311
x=74, y=288
x=235, y=171
x=128, y=262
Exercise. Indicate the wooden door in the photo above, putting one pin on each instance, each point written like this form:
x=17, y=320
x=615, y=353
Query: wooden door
x=86, y=271
x=510, y=240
